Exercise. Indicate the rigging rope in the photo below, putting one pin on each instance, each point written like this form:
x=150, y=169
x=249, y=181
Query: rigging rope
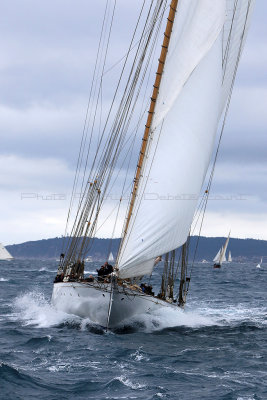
x=95, y=189
x=79, y=160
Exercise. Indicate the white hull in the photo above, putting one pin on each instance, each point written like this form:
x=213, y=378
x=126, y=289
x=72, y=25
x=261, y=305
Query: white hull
x=92, y=301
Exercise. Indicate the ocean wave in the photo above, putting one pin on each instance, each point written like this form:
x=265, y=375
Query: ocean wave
x=197, y=316
x=44, y=269
x=139, y=355
x=7, y=369
x=124, y=381
x=10, y=375
x=232, y=315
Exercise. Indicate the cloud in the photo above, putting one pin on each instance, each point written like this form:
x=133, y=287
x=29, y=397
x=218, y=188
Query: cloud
x=241, y=225
x=33, y=174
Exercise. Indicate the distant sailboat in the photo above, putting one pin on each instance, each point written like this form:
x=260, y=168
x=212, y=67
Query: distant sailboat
x=220, y=256
x=110, y=257
x=259, y=265
x=230, y=257
x=4, y=254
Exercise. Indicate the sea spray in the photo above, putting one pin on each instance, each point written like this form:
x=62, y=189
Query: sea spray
x=34, y=309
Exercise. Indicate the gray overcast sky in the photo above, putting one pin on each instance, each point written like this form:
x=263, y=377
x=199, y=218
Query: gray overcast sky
x=47, y=53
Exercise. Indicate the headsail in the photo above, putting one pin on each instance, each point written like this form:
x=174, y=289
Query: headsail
x=110, y=257
x=222, y=257
x=4, y=254
x=183, y=130
x=217, y=257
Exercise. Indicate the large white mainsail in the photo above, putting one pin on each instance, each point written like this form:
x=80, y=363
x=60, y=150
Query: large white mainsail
x=4, y=254
x=183, y=131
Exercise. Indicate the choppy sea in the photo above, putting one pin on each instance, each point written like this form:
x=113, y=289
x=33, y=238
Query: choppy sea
x=215, y=349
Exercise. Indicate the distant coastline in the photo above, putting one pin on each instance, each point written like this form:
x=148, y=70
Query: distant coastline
x=50, y=249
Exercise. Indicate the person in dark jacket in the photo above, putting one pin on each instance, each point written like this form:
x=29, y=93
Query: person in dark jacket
x=108, y=268
x=104, y=271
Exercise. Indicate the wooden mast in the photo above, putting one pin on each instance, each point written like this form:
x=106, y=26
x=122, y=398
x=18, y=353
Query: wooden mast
x=162, y=58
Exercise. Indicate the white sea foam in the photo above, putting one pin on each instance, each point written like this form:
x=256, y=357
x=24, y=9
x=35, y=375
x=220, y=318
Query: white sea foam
x=200, y=315
x=233, y=314
x=127, y=382
x=43, y=269
x=34, y=309
x=4, y=280
x=138, y=355
x=168, y=318
x=246, y=398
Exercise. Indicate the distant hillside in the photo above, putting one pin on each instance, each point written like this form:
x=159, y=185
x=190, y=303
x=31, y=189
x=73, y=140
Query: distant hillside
x=242, y=249
x=51, y=248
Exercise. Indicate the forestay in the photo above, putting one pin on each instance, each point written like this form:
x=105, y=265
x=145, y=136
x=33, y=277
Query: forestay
x=192, y=95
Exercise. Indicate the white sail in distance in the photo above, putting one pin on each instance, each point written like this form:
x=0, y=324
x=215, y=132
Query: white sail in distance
x=230, y=257
x=222, y=257
x=192, y=95
x=259, y=265
x=217, y=257
x=110, y=257
x=4, y=254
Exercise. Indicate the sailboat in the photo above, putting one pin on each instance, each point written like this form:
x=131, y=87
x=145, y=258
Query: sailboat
x=201, y=48
x=4, y=254
x=229, y=257
x=220, y=256
x=259, y=265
